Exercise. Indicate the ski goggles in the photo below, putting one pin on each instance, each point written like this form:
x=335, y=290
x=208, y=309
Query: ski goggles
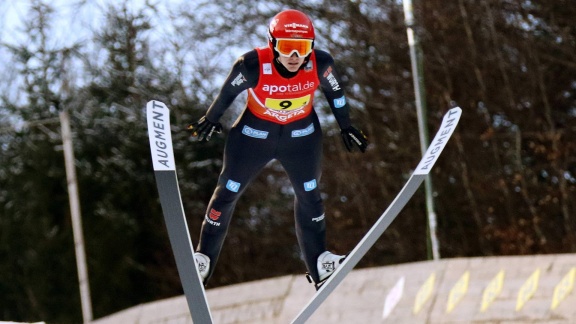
x=288, y=46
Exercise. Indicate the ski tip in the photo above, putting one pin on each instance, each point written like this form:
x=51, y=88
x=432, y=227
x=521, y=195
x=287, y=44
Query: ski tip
x=156, y=104
x=159, y=135
x=454, y=109
x=449, y=123
x=453, y=114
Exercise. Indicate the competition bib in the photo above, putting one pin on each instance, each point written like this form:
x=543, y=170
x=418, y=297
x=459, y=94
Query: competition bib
x=287, y=104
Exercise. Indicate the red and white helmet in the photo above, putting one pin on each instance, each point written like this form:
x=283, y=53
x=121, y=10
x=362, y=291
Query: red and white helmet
x=293, y=26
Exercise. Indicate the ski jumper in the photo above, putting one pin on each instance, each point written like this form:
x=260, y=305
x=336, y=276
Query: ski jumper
x=278, y=122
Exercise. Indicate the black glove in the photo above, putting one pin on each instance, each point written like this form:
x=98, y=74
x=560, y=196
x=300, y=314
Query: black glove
x=203, y=129
x=351, y=135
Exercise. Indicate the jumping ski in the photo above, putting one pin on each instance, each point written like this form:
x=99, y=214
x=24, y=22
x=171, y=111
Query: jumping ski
x=447, y=127
x=159, y=134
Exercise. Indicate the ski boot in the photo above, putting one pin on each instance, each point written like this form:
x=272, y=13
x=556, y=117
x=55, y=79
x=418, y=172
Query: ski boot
x=327, y=263
x=203, y=262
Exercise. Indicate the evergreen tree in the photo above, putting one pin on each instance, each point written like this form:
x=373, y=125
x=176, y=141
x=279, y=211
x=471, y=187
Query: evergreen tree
x=39, y=276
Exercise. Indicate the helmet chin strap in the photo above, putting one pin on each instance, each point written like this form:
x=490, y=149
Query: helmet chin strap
x=283, y=70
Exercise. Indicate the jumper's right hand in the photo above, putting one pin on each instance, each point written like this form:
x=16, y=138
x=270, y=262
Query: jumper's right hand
x=203, y=129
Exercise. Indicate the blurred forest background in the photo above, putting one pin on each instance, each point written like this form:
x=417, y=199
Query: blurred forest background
x=505, y=184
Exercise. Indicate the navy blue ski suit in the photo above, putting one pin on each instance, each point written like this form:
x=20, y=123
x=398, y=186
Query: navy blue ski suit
x=253, y=141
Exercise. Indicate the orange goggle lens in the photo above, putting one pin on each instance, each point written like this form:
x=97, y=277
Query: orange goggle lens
x=288, y=46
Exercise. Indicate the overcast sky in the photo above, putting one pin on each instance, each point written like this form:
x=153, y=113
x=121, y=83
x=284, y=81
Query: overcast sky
x=72, y=19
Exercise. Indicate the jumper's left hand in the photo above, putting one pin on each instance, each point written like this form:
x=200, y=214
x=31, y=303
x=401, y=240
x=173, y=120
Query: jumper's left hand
x=354, y=137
